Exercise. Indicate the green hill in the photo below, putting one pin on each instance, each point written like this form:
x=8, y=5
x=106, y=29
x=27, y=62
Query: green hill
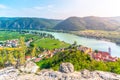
x=27, y=23
x=72, y=23
x=50, y=44
x=91, y=22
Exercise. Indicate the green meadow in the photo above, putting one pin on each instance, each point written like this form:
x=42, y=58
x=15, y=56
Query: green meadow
x=50, y=44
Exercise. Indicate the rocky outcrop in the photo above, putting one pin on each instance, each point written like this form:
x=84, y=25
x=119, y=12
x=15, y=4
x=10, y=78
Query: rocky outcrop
x=83, y=75
x=108, y=75
x=29, y=67
x=9, y=73
x=66, y=68
x=14, y=74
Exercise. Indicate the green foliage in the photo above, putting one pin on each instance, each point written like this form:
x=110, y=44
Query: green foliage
x=23, y=50
x=96, y=51
x=77, y=58
x=80, y=61
x=33, y=53
x=11, y=58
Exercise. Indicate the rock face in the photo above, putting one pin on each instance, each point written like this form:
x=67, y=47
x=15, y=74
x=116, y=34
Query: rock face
x=14, y=74
x=66, y=68
x=9, y=73
x=55, y=75
x=85, y=74
x=29, y=67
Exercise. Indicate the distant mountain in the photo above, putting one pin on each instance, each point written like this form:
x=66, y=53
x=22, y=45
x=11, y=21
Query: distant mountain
x=72, y=23
x=115, y=18
x=27, y=23
x=69, y=24
x=91, y=22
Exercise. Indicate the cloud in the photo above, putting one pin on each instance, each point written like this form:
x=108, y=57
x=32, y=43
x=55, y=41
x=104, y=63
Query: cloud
x=38, y=7
x=3, y=6
x=50, y=6
x=43, y=7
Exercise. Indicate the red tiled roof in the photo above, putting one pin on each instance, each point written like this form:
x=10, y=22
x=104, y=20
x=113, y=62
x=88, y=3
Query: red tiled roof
x=105, y=56
x=103, y=53
x=27, y=57
x=37, y=59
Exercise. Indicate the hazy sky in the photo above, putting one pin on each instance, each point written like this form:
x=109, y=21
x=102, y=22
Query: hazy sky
x=59, y=8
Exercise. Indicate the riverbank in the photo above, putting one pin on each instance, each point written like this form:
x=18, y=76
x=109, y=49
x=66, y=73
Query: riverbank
x=110, y=36
x=93, y=43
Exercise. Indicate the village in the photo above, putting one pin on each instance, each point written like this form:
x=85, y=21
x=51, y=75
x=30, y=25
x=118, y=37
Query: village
x=96, y=55
x=10, y=43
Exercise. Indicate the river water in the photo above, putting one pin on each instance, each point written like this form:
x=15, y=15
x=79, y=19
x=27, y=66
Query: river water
x=92, y=43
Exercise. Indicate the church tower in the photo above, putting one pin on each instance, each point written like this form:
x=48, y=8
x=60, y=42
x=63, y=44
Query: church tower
x=109, y=50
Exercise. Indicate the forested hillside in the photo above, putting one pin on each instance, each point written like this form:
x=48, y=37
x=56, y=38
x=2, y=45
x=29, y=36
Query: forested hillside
x=91, y=22
x=27, y=23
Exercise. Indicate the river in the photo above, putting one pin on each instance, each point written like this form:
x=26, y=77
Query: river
x=92, y=43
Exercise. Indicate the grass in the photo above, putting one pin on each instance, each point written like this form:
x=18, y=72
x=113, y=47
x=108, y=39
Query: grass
x=8, y=35
x=50, y=44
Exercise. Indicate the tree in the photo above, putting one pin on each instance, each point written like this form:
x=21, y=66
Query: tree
x=22, y=51
x=16, y=54
x=11, y=58
x=1, y=60
x=75, y=43
x=96, y=51
x=33, y=53
x=22, y=58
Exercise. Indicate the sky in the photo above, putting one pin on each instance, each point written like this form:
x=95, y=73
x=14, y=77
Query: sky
x=59, y=9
